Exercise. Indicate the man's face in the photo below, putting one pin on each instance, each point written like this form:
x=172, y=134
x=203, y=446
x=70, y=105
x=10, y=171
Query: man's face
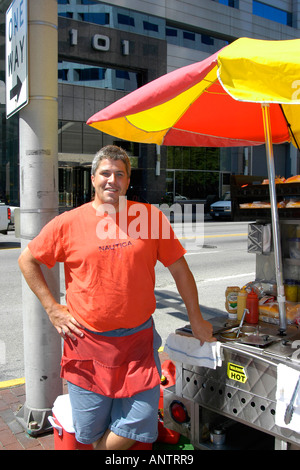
x=110, y=182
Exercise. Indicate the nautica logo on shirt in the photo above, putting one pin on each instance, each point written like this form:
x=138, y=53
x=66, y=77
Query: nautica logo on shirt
x=115, y=246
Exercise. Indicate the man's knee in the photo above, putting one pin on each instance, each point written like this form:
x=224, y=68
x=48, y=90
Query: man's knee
x=111, y=441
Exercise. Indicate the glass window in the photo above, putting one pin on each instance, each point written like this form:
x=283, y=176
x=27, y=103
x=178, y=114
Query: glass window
x=114, y=16
x=171, y=32
x=150, y=26
x=123, y=74
x=172, y=36
x=194, y=158
x=188, y=35
x=196, y=171
x=84, y=10
x=88, y=2
x=67, y=14
x=91, y=73
x=97, y=18
x=205, y=39
x=70, y=137
x=98, y=77
x=271, y=13
x=63, y=75
x=92, y=139
x=125, y=19
x=229, y=3
x=78, y=137
x=193, y=40
x=191, y=185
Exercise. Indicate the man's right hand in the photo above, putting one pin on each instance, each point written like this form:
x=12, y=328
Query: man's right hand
x=64, y=322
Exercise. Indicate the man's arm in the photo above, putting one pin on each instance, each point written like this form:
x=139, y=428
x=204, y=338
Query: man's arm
x=58, y=314
x=187, y=288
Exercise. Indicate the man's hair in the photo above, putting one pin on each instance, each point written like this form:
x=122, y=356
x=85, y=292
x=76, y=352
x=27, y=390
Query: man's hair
x=111, y=152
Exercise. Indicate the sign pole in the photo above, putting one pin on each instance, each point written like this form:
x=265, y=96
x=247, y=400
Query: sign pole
x=38, y=205
x=275, y=220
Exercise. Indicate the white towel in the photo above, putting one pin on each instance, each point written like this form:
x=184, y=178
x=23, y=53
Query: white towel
x=187, y=349
x=286, y=381
x=63, y=412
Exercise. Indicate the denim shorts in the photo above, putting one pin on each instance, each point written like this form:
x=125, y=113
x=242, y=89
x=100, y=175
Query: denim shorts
x=133, y=417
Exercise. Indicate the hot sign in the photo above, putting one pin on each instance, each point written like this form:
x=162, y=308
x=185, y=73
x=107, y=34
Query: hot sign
x=16, y=57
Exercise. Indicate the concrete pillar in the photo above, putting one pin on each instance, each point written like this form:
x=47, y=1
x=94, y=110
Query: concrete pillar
x=38, y=205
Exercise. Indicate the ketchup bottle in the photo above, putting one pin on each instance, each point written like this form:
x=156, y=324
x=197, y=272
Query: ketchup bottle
x=252, y=306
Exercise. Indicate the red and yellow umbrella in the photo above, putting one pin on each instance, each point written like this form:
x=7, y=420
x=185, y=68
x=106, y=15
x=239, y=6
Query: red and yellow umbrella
x=246, y=94
x=216, y=102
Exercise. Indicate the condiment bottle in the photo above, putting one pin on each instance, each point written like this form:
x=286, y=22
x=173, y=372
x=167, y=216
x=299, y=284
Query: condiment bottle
x=231, y=301
x=291, y=290
x=252, y=307
x=241, y=302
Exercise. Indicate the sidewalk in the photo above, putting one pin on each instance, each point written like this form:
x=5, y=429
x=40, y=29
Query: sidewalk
x=12, y=434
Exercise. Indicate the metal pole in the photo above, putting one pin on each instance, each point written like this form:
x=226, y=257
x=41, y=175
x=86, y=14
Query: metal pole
x=39, y=204
x=275, y=219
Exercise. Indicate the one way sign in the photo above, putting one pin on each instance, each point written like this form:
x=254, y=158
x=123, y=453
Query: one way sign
x=16, y=57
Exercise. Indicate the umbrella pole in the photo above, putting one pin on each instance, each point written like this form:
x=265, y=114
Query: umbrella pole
x=275, y=219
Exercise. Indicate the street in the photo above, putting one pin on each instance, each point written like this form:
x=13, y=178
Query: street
x=221, y=261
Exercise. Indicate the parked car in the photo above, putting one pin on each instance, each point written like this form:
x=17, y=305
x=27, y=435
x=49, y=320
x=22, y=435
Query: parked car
x=5, y=215
x=10, y=215
x=169, y=198
x=221, y=208
x=13, y=205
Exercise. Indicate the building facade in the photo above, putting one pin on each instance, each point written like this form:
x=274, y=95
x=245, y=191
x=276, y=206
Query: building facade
x=107, y=49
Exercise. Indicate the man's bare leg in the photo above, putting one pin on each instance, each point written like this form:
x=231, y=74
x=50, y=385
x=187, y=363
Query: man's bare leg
x=111, y=441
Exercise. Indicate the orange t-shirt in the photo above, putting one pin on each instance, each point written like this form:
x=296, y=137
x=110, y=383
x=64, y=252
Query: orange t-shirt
x=109, y=262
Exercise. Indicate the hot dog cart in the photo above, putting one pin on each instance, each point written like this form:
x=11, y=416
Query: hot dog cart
x=243, y=402
x=240, y=395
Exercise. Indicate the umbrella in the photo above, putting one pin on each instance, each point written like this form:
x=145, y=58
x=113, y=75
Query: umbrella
x=246, y=94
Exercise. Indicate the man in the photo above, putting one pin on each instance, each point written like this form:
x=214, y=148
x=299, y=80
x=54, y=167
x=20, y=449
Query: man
x=109, y=248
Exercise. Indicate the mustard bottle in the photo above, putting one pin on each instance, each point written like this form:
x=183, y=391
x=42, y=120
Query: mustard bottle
x=291, y=290
x=241, y=302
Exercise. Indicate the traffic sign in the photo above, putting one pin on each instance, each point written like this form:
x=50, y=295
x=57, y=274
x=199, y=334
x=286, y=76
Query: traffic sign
x=16, y=42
